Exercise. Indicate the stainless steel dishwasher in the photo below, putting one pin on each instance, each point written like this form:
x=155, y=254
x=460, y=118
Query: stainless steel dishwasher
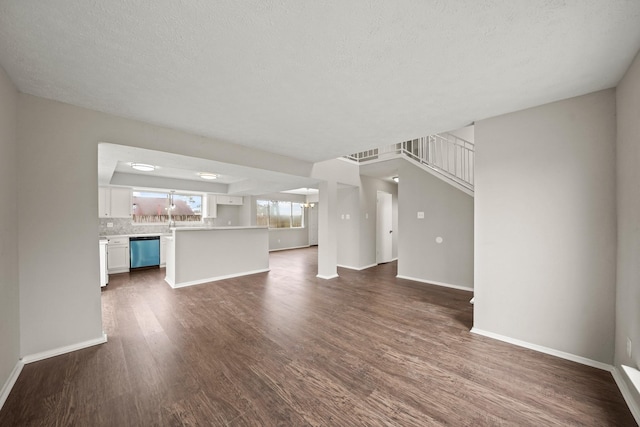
x=145, y=251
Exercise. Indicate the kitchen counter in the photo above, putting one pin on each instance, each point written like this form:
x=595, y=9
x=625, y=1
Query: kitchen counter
x=113, y=236
x=205, y=254
x=230, y=227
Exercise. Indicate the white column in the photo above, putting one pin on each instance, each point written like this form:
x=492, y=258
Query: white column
x=327, y=230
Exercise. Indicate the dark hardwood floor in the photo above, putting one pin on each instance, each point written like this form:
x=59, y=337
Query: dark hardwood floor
x=285, y=348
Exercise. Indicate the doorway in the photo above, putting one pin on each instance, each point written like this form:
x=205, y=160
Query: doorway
x=384, y=227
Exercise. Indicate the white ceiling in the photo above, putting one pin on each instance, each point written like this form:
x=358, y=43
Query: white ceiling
x=178, y=172
x=310, y=79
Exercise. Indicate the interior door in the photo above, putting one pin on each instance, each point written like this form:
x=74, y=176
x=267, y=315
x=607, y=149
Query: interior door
x=384, y=228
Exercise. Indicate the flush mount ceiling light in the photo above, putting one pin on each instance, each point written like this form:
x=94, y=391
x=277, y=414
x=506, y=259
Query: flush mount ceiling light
x=143, y=167
x=206, y=175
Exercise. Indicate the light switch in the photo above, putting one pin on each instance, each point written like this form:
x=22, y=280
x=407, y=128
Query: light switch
x=366, y=216
x=348, y=216
x=342, y=216
x=420, y=215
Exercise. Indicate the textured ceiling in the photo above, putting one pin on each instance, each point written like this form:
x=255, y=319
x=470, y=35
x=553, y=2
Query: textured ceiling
x=315, y=80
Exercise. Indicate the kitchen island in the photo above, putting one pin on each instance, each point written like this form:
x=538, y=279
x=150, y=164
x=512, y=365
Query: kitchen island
x=204, y=254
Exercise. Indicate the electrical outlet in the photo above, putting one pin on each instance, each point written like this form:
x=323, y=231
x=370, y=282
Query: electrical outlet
x=629, y=346
x=420, y=215
x=109, y=225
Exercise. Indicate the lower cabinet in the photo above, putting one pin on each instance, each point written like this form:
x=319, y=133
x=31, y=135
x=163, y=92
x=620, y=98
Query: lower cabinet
x=118, y=255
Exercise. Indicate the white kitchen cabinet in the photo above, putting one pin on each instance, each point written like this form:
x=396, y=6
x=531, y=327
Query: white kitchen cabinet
x=121, y=202
x=104, y=202
x=114, y=202
x=229, y=200
x=163, y=250
x=210, y=206
x=118, y=255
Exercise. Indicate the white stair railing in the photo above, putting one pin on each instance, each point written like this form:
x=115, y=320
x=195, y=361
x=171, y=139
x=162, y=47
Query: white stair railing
x=444, y=153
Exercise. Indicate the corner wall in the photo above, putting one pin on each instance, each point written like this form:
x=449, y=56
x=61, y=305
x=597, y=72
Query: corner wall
x=448, y=214
x=9, y=288
x=349, y=227
x=628, y=203
x=545, y=226
x=58, y=157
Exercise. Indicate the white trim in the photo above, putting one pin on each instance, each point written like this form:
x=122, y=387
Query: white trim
x=62, y=350
x=626, y=392
x=546, y=350
x=357, y=268
x=320, y=276
x=8, y=385
x=433, y=282
x=212, y=279
x=286, y=249
x=393, y=156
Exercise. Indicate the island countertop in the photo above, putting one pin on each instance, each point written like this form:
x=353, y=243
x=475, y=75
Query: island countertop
x=230, y=227
x=205, y=254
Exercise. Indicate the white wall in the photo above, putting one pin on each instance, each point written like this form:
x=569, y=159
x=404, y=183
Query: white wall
x=9, y=289
x=467, y=133
x=448, y=213
x=348, y=227
x=545, y=236
x=228, y=215
x=628, y=203
x=58, y=266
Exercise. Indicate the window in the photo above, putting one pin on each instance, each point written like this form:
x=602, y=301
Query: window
x=151, y=207
x=279, y=214
x=263, y=213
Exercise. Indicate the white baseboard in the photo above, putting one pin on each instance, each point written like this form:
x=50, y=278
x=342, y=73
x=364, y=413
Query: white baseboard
x=626, y=393
x=546, y=350
x=357, y=268
x=212, y=279
x=8, y=385
x=433, y=282
x=30, y=358
x=320, y=276
x=287, y=249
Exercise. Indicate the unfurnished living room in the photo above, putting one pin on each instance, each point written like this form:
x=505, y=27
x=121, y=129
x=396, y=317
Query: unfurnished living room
x=409, y=213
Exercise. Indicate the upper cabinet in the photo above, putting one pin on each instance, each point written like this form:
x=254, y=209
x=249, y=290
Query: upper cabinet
x=210, y=208
x=114, y=202
x=229, y=200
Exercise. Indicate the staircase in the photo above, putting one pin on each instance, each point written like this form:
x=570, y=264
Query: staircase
x=444, y=155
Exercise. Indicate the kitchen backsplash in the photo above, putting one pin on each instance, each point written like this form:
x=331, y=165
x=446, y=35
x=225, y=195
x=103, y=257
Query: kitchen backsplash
x=124, y=226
